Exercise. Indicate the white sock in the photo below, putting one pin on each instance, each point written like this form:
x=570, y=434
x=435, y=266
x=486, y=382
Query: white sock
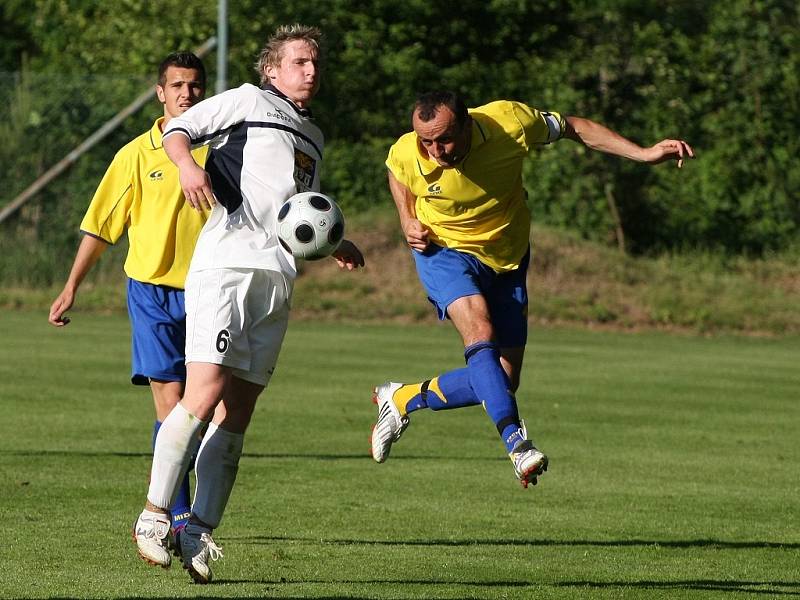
x=171, y=455
x=215, y=468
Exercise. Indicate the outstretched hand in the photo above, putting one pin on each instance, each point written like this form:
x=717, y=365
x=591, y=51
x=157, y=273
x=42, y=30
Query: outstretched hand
x=61, y=305
x=668, y=150
x=348, y=256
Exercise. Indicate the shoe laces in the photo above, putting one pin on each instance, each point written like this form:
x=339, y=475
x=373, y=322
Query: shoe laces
x=211, y=547
x=521, y=452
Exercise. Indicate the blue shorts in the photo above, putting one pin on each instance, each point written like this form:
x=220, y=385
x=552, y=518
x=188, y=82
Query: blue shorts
x=158, y=333
x=449, y=274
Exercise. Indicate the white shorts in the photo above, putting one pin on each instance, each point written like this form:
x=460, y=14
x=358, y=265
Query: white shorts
x=237, y=318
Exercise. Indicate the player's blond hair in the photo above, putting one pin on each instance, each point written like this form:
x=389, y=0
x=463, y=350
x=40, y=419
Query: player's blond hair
x=272, y=53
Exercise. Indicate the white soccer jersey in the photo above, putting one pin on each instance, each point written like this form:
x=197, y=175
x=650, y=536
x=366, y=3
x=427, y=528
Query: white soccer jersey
x=264, y=149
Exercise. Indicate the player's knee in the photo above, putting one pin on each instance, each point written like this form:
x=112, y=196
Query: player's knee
x=481, y=330
x=236, y=421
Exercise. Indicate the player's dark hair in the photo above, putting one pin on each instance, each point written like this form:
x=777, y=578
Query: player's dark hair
x=182, y=60
x=428, y=103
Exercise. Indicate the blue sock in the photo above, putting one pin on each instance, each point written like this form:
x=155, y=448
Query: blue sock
x=450, y=390
x=181, y=509
x=491, y=386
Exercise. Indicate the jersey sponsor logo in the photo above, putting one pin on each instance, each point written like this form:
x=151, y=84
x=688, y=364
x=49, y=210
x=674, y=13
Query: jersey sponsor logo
x=279, y=114
x=304, y=168
x=157, y=175
x=434, y=189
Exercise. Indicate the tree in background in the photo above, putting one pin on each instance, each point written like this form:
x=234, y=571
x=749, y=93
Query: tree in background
x=727, y=71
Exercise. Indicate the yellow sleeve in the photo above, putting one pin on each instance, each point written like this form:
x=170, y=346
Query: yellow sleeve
x=398, y=158
x=540, y=127
x=108, y=213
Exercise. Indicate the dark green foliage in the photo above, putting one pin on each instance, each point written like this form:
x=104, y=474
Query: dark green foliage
x=15, y=33
x=721, y=74
x=355, y=174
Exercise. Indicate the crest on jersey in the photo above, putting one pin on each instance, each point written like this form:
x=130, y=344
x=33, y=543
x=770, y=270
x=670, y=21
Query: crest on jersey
x=304, y=168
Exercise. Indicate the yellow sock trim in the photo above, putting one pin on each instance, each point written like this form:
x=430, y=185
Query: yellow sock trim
x=404, y=395
x=433, y=386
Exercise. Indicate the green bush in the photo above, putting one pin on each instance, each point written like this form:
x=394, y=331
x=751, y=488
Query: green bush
x=723, y=74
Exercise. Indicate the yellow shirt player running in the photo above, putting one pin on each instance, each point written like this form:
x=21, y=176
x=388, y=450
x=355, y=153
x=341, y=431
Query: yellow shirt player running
x=457, y=183
x=140, y=193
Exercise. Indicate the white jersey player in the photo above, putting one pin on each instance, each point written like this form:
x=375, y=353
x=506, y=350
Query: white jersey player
x=264, y=148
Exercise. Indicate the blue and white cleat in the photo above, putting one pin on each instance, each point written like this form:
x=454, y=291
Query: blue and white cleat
x=197, y=549
x=529, y=462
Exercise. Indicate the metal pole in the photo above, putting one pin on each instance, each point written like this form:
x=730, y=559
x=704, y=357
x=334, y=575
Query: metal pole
x=222, y=46
x=90, y=141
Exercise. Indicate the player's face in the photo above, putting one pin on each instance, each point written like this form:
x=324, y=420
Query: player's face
x=298, y=74
x=182, y=89
x=445, y=142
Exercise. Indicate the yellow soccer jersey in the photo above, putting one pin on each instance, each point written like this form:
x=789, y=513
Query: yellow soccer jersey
x=141, y=192
x=479, y=206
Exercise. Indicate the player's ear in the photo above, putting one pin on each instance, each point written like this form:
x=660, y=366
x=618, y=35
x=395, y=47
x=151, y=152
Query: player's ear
x=269, y=71
x=160, y=94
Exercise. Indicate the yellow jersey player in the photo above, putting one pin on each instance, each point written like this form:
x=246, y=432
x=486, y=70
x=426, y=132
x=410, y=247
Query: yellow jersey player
x=456, y=180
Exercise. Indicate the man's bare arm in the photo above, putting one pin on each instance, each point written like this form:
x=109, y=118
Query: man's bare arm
x=416, y=233
x=599, y=137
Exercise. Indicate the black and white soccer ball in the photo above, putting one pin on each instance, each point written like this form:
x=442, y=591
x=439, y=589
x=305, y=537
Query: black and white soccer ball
x=310, y=225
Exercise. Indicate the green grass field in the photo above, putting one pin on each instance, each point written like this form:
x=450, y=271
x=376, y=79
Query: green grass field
x=675, y=471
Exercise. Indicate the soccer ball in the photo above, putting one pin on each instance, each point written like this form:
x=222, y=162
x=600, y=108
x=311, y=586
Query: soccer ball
x=310, y=225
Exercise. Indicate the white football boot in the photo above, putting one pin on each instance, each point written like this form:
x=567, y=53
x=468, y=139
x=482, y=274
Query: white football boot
x=151, y=532
x=529, y=462
x=391, y=424
x=197, y=548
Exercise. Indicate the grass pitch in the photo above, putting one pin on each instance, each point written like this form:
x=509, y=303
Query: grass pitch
x=674, y=471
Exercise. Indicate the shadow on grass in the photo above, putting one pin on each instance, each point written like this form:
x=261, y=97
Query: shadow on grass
x=772, y=588
x=712, y=585
x=243, y=581
x=699, y=543
x=767, y=588
x=266, y=455
x=81, y=453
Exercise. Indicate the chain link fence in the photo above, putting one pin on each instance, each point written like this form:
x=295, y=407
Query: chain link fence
x=43, y=118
